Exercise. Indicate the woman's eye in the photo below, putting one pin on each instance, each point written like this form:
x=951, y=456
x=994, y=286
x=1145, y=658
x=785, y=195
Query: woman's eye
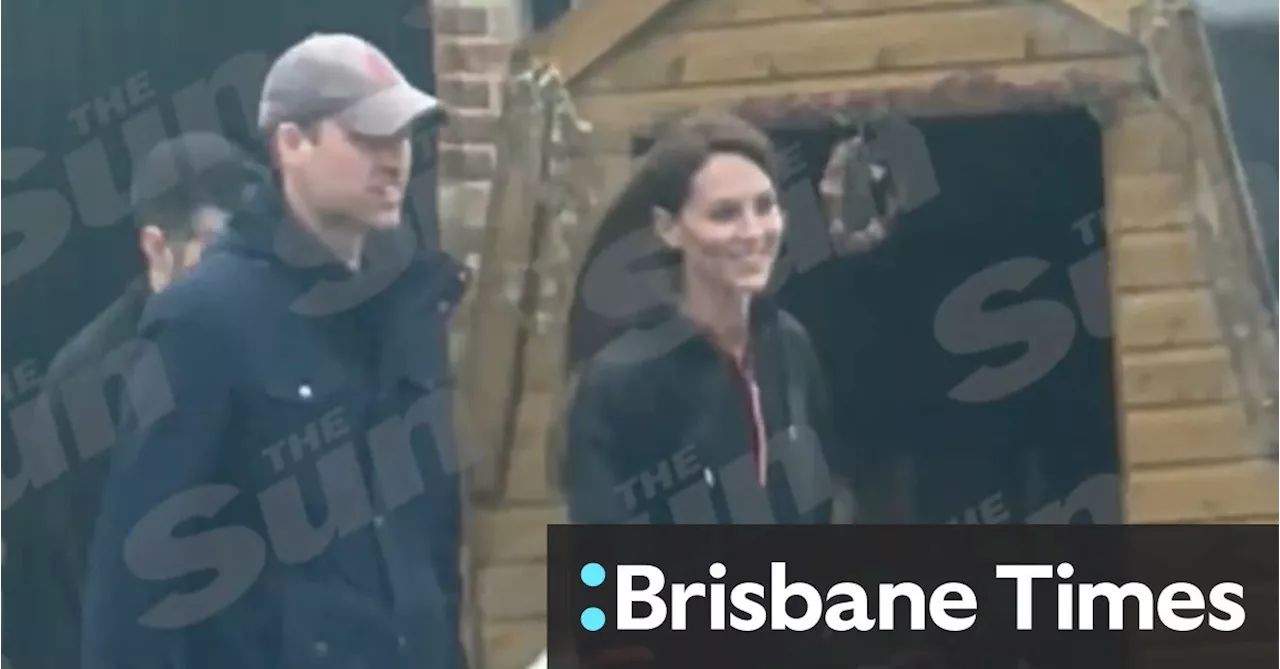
x=724, y=213
x=765, y=205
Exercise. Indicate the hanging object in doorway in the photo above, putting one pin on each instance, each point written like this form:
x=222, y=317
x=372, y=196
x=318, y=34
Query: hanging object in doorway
x=863, y=188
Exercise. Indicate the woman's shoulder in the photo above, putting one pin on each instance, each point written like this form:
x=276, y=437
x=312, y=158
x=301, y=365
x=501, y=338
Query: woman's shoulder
x=790, y=325
x=792, y=330
x=797, y=346
x=642, y=367
x=641, y=351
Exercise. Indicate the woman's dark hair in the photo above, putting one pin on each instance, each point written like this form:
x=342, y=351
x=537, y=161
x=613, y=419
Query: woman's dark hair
x=664, y=180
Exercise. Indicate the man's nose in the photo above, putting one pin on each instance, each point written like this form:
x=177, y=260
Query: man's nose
x=389, y=163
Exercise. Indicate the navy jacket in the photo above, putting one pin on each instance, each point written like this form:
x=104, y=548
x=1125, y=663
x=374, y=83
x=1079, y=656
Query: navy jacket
x=286, y=494
x=661, y=429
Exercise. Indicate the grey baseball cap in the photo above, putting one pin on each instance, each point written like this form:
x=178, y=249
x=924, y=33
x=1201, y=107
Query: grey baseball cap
x=343, y=77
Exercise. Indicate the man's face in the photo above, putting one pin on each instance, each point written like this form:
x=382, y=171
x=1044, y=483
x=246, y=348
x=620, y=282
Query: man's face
x=355, y=178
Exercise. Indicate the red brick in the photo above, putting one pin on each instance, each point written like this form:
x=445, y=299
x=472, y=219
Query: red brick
x=466, y=163
x=470, y=128
x=465, y=93
x=462, y=21
x=453, y=57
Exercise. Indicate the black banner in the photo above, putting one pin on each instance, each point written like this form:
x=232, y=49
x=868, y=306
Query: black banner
x=953, y=597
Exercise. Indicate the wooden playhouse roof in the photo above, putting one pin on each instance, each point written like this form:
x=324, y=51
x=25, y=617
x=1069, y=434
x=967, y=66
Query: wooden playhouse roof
x=585, y=35
x=669, y=56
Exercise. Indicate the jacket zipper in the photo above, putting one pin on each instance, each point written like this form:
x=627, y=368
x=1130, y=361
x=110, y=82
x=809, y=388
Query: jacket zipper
x=759, y=441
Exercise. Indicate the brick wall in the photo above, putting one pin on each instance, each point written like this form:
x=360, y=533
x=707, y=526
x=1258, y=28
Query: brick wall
x=473, y=39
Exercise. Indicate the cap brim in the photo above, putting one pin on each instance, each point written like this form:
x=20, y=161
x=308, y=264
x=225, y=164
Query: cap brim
x=390, y=111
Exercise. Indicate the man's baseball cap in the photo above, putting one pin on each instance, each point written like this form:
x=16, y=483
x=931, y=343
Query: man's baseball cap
x=343, y=77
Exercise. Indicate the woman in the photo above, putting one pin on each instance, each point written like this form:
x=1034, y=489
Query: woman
x=697, y=400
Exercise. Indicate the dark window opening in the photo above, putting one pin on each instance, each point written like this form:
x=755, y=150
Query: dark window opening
x=543, y=13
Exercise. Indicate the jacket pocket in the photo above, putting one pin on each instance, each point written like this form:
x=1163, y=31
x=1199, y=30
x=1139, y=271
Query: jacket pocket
x=290, y=420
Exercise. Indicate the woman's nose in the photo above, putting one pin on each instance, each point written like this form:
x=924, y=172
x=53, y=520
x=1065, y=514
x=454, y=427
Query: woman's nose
x=757, y=228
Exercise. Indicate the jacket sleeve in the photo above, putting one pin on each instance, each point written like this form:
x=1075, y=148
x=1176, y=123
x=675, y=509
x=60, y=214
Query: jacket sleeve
x=71, y=503
x=839, y=454
x=155, y=561
x=591, y=471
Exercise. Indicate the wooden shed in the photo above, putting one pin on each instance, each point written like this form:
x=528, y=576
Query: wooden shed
x=1176, y=380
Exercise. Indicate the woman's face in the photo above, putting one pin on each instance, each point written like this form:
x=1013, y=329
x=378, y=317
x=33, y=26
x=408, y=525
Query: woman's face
x=730, y=228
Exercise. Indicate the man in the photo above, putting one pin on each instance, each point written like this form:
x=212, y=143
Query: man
x=288, y=497
x=182, y=193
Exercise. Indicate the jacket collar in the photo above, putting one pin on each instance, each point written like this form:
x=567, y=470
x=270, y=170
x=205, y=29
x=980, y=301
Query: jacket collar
x=264, y=231
x=667, y=330
x=763, y=311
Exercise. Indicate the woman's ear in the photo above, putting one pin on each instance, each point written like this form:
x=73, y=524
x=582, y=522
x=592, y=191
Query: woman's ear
x=667, y=228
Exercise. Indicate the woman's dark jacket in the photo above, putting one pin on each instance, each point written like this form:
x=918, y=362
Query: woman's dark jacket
x=661, y=429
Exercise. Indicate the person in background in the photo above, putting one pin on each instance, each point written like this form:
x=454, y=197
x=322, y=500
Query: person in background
x=870, y=184
x=182, y=194
x=705, y=370
x=286, y=495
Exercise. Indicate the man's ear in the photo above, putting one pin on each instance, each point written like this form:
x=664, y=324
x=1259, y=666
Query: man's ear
x=667, y=228
x=289, y=139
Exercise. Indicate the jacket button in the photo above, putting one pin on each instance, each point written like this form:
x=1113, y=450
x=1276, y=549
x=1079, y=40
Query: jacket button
x=304, y=391
x=709, y=477
x=321, y=648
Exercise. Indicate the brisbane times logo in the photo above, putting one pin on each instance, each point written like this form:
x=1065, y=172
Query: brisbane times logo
x=644, y=600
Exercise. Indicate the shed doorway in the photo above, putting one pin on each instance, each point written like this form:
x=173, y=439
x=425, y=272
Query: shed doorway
x=969, y=356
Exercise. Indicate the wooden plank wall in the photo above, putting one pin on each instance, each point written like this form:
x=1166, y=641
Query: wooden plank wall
x=1185, y=449
x=714, y=52
x=695, y=53
x=1189, y=455
x=509, y=542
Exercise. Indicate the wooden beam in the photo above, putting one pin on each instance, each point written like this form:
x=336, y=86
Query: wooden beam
x=958, y=90
x=1114, y=14
x=487, y=385
x=585, y=35
x=828, y=45
x=723, y=13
